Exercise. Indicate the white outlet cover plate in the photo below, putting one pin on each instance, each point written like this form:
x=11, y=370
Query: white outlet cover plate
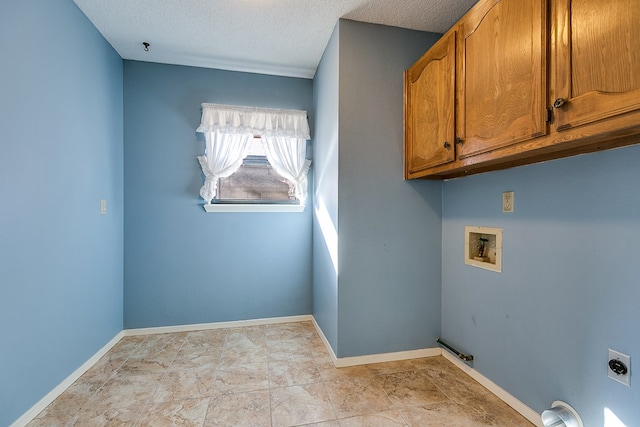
x=626, y=378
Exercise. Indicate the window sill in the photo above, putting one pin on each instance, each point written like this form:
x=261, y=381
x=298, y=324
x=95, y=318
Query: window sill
x=236, y=207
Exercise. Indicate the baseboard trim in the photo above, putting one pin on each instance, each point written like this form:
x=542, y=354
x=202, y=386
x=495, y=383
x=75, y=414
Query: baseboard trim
x=216, y=325
x=494, y=388
x=324, y=340
x=343, y=362
x=40, y=406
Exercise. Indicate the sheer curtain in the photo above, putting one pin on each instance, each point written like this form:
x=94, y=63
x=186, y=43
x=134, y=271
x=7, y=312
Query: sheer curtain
x=224, y=153
x=228, y=131
x=287, y=156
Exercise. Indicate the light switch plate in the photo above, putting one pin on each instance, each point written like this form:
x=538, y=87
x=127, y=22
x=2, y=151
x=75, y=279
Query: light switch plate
x=619, y=360
x=507, y=201
x=103, y=207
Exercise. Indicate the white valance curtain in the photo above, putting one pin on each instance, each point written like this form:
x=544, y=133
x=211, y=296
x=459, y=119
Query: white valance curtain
x=228, y=131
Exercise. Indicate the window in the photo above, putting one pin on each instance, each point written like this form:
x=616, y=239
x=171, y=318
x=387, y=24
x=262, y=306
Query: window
x=241, y=168
x=255, y=181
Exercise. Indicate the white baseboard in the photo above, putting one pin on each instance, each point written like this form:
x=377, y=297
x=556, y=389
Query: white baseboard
x=217, y=325
x=40, y=406
x=324, y=340
x=494, y=388
x=343, y=362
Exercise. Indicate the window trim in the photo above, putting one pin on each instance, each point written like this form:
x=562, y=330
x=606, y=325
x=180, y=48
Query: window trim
x=254, y=207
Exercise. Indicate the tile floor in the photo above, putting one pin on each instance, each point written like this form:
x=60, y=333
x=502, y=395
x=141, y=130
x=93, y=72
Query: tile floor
x=271, y=376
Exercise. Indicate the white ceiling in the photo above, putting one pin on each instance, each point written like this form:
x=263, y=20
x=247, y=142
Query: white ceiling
x=281, y=37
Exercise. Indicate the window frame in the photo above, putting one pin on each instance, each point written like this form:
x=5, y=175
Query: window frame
x=254, y=205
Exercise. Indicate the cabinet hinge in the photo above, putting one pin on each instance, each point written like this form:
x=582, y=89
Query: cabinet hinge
x=549, y=115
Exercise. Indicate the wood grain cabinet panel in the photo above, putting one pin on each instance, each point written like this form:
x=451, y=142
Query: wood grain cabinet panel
x=597, y=60
x=429, y=109
x=534, y=80
x=502, y=75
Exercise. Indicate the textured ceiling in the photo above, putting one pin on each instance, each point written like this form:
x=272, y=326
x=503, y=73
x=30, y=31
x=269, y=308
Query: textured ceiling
x=281, y=37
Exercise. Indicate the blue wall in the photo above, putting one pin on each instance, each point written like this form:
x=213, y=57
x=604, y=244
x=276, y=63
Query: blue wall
x=386, y=300
x=569, y=287
x=390, y=229
x=325, y=219
x=540, y=329
x=61, y=153
x=183, y=265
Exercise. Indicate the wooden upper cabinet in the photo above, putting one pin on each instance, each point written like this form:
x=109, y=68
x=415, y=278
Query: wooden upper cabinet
x=596, y=60
x=429, y=109
x=481, y=98
x=501, y=80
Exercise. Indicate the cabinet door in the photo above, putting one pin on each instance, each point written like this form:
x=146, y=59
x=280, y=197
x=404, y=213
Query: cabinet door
x=596, y=66
x=501, y=82
x=429, y=109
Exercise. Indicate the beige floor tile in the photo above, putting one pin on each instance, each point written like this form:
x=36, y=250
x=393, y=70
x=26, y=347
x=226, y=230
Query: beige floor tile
x=124, y=348
x=285, y=373
x=184, y=384
x=254, y=333
x=298, y=405
x=187, y=360
x=236, y=357
x=494, y=412
x=114, y=358
x=239, y=410
x=301, y=348
x=160, y=343
x=247, y=377
x=391, y=367
x=333, y=423
x=154, y=354
x=323, y=361
x=121, y=391
x=272, y=376
x=411, y=388
x=186, y=413
x=52, y=422
x=380, y=419
x=203, y=348
x=152, y=364
x=100, y=416
x=75, y=397
x=244, y=349
x=211, y=338
x=290, y=331
x=330, y=373
x=437, y=415
x=351, y=397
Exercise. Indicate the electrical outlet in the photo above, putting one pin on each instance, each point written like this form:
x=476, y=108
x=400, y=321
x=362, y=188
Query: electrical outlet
x=619, y=367
x=507, y=201
x=103, y=207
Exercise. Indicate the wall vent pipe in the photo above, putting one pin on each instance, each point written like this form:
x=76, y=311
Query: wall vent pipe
x=561, y=415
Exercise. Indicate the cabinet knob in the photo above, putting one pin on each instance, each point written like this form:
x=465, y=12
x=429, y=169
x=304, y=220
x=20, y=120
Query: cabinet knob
x=446, y=144
x=459, y=140
x=559, y=102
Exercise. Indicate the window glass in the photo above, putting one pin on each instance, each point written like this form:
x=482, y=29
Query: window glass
x=255, y=181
